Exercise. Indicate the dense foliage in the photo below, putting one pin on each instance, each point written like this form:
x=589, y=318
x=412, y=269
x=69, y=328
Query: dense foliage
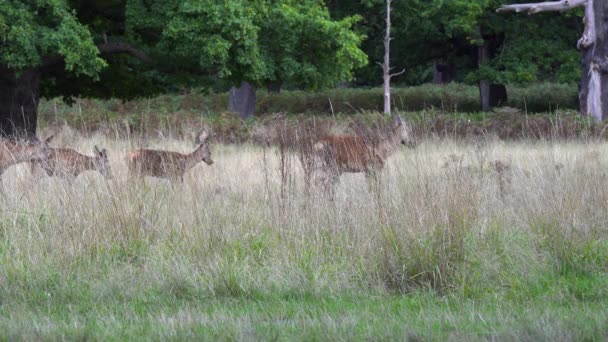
x=127, y=49
x=293, y=42
x=524, y=49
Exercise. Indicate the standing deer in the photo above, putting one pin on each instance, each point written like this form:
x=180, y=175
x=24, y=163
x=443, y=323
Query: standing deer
x=338, y=154
x=67, y=163
x=13, y=152
x=168, y=164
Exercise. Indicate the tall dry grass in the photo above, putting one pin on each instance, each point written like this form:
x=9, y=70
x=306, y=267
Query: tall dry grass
x=452, y=217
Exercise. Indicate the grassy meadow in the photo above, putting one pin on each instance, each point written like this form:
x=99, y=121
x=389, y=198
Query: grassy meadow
x=464, y=240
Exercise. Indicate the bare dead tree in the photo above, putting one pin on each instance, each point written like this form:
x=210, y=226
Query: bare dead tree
x=593, y=93
x=386, y=68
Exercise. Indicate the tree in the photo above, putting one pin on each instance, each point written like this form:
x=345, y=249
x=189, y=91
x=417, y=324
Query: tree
x=131, y=48
x=386, y=66
x=448, y=34
x=593, y=93
x=258, y=43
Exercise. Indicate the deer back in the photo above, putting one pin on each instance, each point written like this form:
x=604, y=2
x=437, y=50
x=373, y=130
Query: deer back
x=14, y=152
x=348, y=153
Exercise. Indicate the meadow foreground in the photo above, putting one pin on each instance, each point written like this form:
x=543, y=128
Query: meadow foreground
x=464, y=240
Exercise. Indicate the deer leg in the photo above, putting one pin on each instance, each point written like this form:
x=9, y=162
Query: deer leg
x=331, y=182
x=373, y=182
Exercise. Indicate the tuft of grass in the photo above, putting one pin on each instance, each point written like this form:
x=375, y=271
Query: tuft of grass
x=467, y=240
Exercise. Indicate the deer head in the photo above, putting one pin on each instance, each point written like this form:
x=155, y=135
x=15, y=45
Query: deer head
x=403, y=131
x=203, y=150
x=102, y=163
x=37, y=150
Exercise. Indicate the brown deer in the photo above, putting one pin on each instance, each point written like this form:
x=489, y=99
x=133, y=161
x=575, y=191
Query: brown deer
x=168, y=164
x=338, y=154
x=14, y=152
x=67, y=163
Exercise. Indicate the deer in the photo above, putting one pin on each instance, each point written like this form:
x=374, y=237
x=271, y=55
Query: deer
x=168, y=164
x=338, y=154
x=68, y=163
x=14, y=152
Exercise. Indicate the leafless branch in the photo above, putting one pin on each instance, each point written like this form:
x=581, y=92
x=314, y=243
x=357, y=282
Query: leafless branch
x=550, y=6
x=105, y=49
x=397, y=74
x=114, y=48
x=589, y=34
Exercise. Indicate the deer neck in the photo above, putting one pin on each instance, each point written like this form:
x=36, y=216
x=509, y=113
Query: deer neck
x=194, y=158
x=89, y=163
x=388, y=145
x=13, y=153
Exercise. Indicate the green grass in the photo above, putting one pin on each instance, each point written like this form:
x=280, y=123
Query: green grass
x=451, y=247
x=72, y=310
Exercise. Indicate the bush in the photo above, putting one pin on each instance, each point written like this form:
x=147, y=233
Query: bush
x=448, y=98
x=543, y=97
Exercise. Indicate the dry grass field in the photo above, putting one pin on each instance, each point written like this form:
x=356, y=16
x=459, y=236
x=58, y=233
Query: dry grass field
x=462, y=240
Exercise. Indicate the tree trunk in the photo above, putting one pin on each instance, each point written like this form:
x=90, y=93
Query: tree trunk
x=498, y=95
x=274, y=87
x=593, y=90
x=19, y=97
x=242, y=100
x=593, y=94
x=443, y=73
x=386, y=69
x=484, y=85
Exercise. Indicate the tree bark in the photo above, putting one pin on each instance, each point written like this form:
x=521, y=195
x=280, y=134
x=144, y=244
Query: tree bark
x=273, y=87
x=19, y=97
x=593, y=94
x=242, y=100
x=443, y=73
x=549, y=6
x=484, y=85
x=386, y=69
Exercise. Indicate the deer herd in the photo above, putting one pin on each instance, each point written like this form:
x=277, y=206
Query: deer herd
x=334, y=155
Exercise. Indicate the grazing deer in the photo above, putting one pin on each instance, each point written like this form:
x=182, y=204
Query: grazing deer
x=168, y=164
x=67, y=163
x=13, y=152
x=338, y=154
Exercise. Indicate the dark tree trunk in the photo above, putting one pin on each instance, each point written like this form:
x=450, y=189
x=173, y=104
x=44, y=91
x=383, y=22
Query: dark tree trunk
x=498, y=95
x=484, y=85
x=274, y=87
x=242, y=100
x=19, y=96
x=593, y=94
x=443, y=73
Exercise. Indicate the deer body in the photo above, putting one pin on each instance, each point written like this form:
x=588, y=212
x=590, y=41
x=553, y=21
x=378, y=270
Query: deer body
x=168, y=164
x=66, y=162
x=348, y=154
x=12, y=152
x=338, y=154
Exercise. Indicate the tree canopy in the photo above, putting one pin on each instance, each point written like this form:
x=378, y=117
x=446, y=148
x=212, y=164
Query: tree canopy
x=135, y=48
x=529, y=49
x=131, y=48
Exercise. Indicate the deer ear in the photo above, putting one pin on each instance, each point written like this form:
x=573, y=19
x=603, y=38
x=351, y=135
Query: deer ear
x=48, y=140
x=96, y=149
x=202, y=136
x=396, y=120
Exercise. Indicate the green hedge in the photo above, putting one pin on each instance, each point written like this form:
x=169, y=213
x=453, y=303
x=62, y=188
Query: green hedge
x=449, y=98
x=544, y=97
x=454, y=97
